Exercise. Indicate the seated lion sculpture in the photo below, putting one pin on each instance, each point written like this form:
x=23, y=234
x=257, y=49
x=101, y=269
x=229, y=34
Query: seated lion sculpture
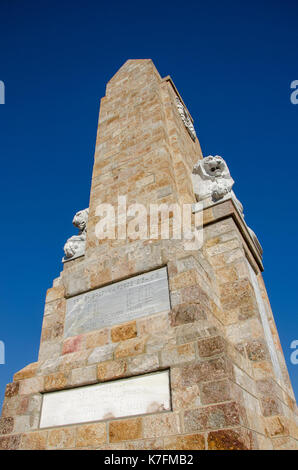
x=75, y=245
x=211, y=179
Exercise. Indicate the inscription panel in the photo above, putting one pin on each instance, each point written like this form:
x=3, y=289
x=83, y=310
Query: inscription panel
x=123, y=301
x=126, y=397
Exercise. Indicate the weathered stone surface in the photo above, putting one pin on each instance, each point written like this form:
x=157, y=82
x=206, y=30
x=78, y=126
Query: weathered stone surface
x=83, y=375
x=34, y=440
x=188, y=313
x=187, y=397
x=211, y=346
x=257, y=350
x=276, y=426
x=271, y=406
x=91, y=435
x=131, y=347
x=6, y=425
x=23, y=423
x=143, y=363
x=158, y=341
x=10, y=442
x=112, y=370
x=97, y=338
x=212, y=417
x=229, y=439
x=101, y=354
x=178, y=355
x=240, y=295
x=153, y=324
x=161, y=425
x=49, y=349
x=202, y=371
x=55, y=381
x=27, y=372
x=190, y=442
x=125, y=429
x=214, y=392
x=12, y=389
x=73, y=344
x=184, y=279
x=55, y=293
x=34, y=403
x=63, y=438
x=32, y=385
x=193, y=331
x=144, y=444
x=123, y=332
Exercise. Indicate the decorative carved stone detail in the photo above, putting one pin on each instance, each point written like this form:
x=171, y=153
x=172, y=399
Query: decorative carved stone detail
x=211, y=179
x=186, y=119
x=75, y=245
x=212, y=182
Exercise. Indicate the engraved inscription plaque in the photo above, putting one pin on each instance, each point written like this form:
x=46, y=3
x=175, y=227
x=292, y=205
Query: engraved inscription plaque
x=126, y=397
x=123, y=301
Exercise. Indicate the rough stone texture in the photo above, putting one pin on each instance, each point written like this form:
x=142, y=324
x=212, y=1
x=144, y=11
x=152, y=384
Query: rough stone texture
x=6, y=425
x=191, y=442
x=123, y=332
x=229, y=439
x=55, y=382
x=125, y=430
x=161, y=425
x=10, y=442
x=34, y=441
x=91, y=435
x=112, y=370
x=225, y=391
x=63, y=438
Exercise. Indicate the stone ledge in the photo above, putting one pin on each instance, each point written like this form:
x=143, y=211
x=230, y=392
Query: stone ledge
x=227, y=208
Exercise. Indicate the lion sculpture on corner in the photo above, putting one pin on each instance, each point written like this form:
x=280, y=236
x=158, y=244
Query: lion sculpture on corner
x=211, y=179
x=75, y=245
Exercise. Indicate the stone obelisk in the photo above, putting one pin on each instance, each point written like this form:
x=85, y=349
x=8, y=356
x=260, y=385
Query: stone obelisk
x=147, y=344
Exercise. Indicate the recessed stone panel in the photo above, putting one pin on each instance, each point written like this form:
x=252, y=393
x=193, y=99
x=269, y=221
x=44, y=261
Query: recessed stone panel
x=123, y=301
x=144, y=394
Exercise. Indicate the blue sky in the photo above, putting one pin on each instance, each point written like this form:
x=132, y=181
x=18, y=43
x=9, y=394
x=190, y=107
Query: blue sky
x=232, y=62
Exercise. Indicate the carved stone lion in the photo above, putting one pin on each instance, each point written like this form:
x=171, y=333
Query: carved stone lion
x=75, y=245
x=211, y=179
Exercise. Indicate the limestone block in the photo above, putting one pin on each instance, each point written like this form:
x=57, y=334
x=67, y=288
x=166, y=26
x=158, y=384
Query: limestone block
x=63, y=438
x=126, y=429
x=230, y=439
x=186, y=442
x=212, y=417
x=91, y=435
x=34, y=440
x=161, y=425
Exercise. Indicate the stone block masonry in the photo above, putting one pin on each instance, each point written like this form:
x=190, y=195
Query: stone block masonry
x=214, y=337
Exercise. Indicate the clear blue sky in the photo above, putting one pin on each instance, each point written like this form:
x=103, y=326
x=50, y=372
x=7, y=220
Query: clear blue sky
x=233, y=63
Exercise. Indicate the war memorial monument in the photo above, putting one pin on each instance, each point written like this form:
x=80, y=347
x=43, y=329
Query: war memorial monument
x=158, y=333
